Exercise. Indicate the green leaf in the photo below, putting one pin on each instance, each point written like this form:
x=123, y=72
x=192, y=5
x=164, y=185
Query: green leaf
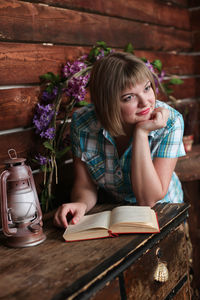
x=143, y=59
x=93, y=53
x=35, y=160
x=129, y=48
x=49, y=88
x=167, y=89
x=96, y=51
x=47, y=145
x=157, y=64
x=44, y=168
x=50, y=77
x=81, y=103
x=102, y=44
x=60, y=153
x=57, y=78
x=175, y=80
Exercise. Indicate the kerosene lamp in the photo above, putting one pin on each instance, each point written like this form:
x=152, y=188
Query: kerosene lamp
x=20, y=208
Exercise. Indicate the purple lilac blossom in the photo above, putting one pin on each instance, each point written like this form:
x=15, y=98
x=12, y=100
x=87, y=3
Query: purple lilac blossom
x=83, y=57
x=149, y=66
x=46, y=96
x=161, y=76
x=160, y=79
x=72, y=68
x=76, y=85
x=41, y=159
x=101, y=54
x=48, y=134
x=42, y=119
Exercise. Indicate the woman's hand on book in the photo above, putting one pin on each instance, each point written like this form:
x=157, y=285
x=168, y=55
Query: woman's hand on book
x=69, y=212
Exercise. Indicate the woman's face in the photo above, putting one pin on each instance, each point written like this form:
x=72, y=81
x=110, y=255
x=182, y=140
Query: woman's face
x=137, y=103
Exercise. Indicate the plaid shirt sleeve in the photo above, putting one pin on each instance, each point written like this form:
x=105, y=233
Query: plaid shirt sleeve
x=171, y=144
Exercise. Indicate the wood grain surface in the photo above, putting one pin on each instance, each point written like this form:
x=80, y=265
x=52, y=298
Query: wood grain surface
x=157, y=12
x=55, y=266
x=23, y=21
x=24, y=63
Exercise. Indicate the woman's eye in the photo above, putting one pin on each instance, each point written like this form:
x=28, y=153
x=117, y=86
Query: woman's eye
x=128, y=98
x=147, y=88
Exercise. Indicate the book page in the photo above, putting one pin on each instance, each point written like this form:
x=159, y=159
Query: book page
x=88, y=222
x=131, y=214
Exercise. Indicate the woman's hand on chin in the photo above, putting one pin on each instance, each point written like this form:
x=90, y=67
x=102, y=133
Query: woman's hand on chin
x=157, y=120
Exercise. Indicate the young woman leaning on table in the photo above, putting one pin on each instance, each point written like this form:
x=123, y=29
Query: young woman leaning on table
x=125, y=142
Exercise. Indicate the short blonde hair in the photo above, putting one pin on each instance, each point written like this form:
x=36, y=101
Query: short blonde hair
x=109, y=77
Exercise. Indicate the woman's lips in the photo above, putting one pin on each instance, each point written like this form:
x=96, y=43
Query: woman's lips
x=144, y=112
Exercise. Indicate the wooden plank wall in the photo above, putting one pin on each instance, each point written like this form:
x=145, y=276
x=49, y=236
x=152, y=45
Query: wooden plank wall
x=195, y=23
x=40, y=35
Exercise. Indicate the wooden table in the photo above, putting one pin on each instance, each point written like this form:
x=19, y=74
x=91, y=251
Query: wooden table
x=111, y=268
x=188, y=170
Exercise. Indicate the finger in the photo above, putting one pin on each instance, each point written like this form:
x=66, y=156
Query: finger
x=156, y=117
x=165, y=116
x=63, y=217
x=166, y=113
x=76, y=217
x=56, y=219
x=155, y=112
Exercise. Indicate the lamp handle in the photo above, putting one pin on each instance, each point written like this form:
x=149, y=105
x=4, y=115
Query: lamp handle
x=4, y=208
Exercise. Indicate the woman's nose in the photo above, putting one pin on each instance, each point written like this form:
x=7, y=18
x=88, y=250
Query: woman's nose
x=142, y=100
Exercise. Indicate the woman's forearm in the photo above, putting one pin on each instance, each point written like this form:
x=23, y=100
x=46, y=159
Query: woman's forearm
x=146, y=183
x=84, y=190
x=84, y=195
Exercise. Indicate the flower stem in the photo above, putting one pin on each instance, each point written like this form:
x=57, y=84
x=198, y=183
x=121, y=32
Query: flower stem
x=67, y=112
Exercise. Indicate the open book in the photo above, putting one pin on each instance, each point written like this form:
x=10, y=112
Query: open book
x=122, y=219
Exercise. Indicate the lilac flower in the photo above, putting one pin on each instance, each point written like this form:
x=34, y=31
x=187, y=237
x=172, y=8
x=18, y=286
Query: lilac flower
x=83, y=57
x=72, y=68
x=158, y=80
x=46, y=96
x=101, y=54
x=48, y=134
x=42, y=160
x=42, y=119
x=161, y=76
x=77, y=87
x=149, y=66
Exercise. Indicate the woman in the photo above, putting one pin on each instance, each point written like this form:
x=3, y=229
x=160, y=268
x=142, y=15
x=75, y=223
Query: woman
x=125, y=142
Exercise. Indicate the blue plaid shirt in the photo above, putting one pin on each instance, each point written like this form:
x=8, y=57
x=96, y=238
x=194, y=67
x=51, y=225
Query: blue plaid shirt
x=96, y=147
